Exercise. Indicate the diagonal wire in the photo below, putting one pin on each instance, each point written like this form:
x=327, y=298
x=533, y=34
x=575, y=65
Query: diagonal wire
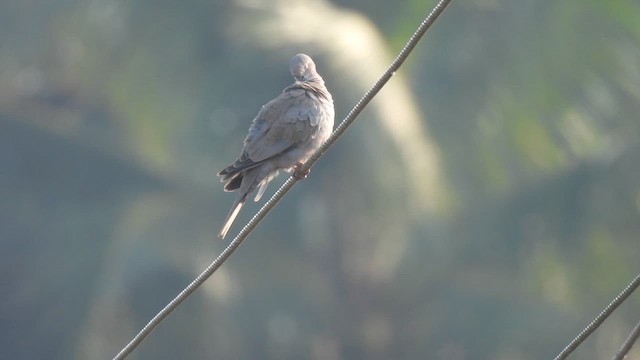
x=280, y=193
x=628, y=343
x=584, y=334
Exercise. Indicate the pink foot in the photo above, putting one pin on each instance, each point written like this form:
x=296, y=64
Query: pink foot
x=298, y=173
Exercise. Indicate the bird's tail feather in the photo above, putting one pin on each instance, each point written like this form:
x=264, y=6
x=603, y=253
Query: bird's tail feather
x=235, y=210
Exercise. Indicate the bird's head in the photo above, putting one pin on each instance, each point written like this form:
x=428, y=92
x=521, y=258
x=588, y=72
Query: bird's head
x=303, y=68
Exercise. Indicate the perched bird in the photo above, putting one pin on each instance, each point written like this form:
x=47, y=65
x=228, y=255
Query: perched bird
x=283, y=135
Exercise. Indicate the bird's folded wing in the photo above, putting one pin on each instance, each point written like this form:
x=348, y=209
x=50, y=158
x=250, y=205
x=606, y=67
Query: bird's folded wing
x=285, y=121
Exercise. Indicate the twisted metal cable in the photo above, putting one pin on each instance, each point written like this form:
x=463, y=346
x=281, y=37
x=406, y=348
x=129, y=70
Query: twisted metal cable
x=628, y=343
x=584, y=334
x=282, y=191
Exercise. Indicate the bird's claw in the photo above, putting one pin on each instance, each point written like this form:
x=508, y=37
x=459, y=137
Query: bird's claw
x=300, y=173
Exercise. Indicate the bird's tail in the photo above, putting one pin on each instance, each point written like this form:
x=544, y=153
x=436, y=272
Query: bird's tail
x=235, y=209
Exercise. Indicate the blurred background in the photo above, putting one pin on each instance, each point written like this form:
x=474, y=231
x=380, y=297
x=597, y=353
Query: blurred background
x=486, y=205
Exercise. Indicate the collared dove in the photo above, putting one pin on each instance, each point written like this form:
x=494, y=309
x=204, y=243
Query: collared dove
x=283, y=135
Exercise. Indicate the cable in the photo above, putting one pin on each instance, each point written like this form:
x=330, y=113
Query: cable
x=584, y=334
x=628, y=344
x=282, y=191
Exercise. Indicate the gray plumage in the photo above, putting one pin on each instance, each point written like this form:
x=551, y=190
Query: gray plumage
x=285, y=133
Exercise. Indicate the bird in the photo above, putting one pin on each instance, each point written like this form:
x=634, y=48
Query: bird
x=283, y=135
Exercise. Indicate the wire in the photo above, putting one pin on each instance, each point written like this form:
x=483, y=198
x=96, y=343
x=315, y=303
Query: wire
x=282, y=191
x=628, y=344
x=584, y=334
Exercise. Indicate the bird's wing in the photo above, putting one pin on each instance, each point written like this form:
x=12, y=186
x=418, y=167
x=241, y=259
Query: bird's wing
x=285, y=121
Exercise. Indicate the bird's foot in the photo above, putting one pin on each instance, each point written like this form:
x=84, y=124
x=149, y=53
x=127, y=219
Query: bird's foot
x=299, y=173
